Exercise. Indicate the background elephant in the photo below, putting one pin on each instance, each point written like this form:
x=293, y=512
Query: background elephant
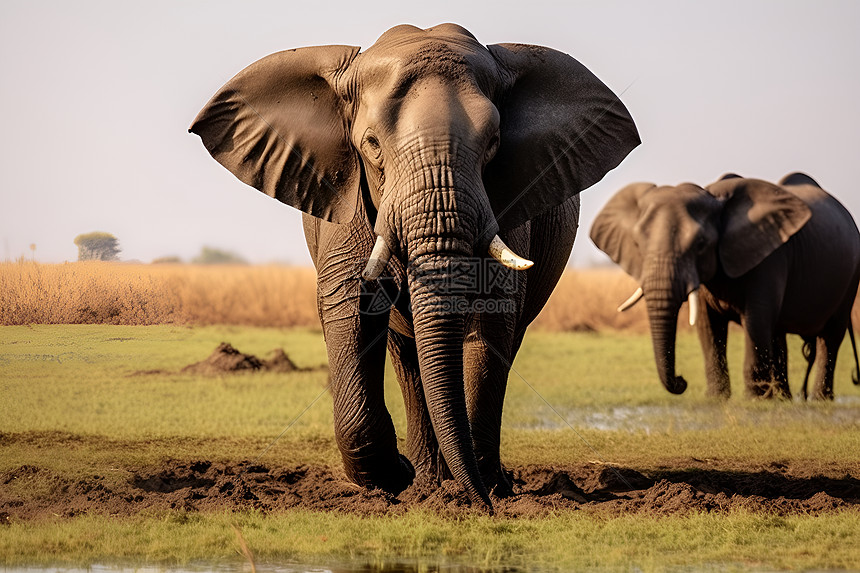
x=774, y=258
x=411, y=161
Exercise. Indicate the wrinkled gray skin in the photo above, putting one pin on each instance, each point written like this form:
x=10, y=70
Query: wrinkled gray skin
x=434, y=143
x=775, y=258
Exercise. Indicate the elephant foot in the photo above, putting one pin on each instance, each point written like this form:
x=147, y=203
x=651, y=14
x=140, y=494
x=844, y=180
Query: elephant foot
x=718, y=386
x=718, y=393
x=405, y=473
x=768, y=390
x=502, y=483
x=821, y=395
x=391, y=478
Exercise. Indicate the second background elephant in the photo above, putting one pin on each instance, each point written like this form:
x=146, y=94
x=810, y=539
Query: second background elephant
x=777, y=259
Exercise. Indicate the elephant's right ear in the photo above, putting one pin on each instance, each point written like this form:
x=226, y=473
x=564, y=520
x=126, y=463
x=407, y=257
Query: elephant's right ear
x=612, y=230
x=758, y=218
x=280, y=126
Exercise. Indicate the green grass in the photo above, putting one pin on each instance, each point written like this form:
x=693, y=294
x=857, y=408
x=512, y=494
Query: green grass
x=571, y=541
x=70, y=397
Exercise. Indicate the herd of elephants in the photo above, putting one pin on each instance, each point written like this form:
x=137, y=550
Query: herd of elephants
x=443, y=176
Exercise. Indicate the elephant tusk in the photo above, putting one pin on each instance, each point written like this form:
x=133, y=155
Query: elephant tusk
x=634, y=298
x=379, y=257
x=500, y=251
x=693, y=299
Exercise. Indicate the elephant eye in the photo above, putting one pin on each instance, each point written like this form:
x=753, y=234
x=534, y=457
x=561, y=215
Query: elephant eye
x=370, y=145
x=492, y=148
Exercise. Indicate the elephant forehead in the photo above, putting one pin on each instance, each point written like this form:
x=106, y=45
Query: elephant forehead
x=684, y=193
x=447, y=51
x=669, y=206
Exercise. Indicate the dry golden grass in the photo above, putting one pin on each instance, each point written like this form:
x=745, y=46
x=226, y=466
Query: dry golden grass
x=588, y=299
x=109, y=293
x=113, y=293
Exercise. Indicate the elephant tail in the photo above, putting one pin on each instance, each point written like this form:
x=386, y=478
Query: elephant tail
x=855, y=376
x=809, y=355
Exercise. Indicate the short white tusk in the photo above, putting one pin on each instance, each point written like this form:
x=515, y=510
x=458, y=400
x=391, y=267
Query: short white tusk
x=378, y=260
x=634, y=298
x=693, y=299
x=500, y=251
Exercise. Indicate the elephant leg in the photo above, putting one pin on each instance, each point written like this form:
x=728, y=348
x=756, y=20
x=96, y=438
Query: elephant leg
x=761, y=314
x=422, y=447
x=827, y=348
x=355, y=333
x=363, y=428
x=712, y=328
x=828, y=345
x=780, y=364
x=487, y=356
x=760, y=364
x=490, y=350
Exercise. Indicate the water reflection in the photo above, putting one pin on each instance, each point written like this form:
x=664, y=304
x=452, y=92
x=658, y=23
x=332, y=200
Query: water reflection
x=845, y=410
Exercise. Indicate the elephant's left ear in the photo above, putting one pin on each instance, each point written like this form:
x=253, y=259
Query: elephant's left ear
x=758, y=218
x=561, y=128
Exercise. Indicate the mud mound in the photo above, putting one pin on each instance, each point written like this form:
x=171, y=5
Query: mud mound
x=225, y=358
x=279, y=362
x=199, y=485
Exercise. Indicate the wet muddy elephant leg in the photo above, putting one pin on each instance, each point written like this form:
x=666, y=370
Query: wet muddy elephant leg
x=780, y=364
x=827, y=348
x=487, y=358
x=421, y=445
x=494, y=339
x=761, y=315
x=828, y=344
x=356, y=342
x=761, y=365
x=713, y=329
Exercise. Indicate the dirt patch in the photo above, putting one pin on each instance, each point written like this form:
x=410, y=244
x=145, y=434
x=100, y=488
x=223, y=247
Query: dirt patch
x=30, y=492
x=226, y=359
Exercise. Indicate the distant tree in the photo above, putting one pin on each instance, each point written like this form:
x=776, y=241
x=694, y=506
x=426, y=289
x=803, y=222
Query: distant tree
x=211, y=256
x=97, y=246
x=172, y=259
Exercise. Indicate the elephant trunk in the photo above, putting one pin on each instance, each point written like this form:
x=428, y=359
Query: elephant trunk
x=664, y=293
x=441, y=224
x=439, y=321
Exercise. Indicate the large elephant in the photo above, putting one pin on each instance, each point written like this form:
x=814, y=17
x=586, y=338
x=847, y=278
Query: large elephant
x=775, y=258
x=413, y=161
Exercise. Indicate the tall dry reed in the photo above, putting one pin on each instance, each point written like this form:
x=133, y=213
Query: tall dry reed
x=112, y=293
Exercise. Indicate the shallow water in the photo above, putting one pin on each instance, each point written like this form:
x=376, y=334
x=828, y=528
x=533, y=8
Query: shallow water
x=845, y=410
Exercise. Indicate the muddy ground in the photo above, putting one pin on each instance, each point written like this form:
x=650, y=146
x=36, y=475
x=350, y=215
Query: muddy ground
x=682, y=486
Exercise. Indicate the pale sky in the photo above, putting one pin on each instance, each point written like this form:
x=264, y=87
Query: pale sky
x=97, y=98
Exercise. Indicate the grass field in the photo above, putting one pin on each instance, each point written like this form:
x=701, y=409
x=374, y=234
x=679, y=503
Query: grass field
x=75, y=405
